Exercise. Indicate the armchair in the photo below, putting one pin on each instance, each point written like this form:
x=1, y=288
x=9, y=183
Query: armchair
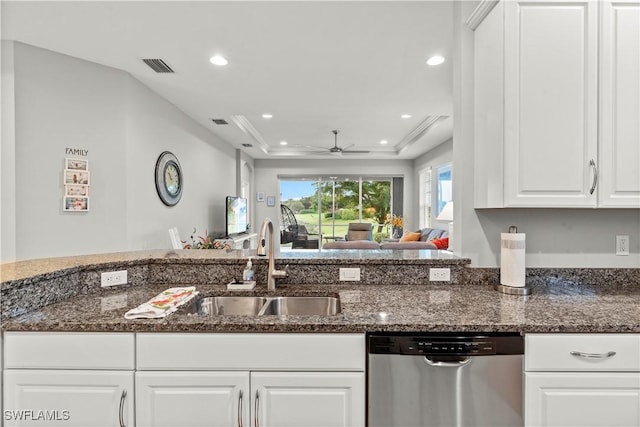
x=359, y=231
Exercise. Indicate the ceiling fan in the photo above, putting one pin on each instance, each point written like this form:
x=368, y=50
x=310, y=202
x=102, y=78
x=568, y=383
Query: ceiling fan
x=339, y=150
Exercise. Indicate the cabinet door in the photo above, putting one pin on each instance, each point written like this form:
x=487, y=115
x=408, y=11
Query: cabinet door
x=620, y=104
x=189, y=399
x=69, y=398
x=550, y=112
x=299, y=399
x=582, y=399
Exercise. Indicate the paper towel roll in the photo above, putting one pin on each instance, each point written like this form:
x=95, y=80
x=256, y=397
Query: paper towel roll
x=512, y=255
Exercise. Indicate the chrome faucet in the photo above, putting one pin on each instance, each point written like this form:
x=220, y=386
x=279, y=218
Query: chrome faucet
x=273, y=274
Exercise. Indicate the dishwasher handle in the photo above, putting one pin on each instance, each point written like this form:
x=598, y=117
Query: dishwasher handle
x=441, y=364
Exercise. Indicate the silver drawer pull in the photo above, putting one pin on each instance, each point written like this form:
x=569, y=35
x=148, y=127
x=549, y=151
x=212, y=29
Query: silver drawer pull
x=594, y=355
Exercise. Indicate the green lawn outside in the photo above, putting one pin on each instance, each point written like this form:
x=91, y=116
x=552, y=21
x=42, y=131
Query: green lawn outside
x=311, y=222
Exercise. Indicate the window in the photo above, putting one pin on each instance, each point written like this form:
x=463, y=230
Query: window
x=444, y=187
x=425, y=218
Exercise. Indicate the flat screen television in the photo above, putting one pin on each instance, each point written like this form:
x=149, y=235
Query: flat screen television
x=237, y=220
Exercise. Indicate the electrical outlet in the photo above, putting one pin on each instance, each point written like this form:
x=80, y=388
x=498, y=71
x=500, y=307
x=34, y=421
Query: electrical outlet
x=113, y=278
x=350, y=274
x=622, y=244
x=440, y=274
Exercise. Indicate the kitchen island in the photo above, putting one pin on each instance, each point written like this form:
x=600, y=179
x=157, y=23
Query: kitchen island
x=65, y=338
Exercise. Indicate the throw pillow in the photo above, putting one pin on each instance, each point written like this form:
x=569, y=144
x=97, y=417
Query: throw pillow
x=441, y=243
x=410, y=236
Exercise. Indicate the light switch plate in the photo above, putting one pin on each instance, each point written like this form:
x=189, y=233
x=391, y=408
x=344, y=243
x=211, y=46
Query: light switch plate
x=350, y=274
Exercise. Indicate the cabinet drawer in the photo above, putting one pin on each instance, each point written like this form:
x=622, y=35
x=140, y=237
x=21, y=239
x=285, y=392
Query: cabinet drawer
x=288, y=352
x=72, y=350
x=553, y=352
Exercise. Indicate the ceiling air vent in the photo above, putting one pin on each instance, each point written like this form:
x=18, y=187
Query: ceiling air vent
x=220, y=121
x=158, y=65
x=247, y=145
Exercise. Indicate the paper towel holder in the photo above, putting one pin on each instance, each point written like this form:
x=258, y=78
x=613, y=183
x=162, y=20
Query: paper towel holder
x=512, y=290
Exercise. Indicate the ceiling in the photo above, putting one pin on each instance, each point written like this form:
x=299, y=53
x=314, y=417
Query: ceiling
x=354, y=66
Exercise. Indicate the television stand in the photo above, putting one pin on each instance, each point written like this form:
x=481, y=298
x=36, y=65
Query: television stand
x=242, y=241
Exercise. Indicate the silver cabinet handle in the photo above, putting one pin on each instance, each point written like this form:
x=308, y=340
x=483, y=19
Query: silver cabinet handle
x=240, y=409
x=593, y=355
x=123, y=398
x=595, y=176
x=256, y=422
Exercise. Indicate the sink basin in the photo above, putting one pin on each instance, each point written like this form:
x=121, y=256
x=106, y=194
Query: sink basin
x=302, y=306
x=263, y=306
x=230, y=306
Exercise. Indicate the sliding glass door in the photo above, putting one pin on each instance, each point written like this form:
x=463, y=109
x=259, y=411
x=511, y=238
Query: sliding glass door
x=321, y=208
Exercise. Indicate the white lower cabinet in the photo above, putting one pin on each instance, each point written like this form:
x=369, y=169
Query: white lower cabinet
x=68, y=398
x=68, y=379
x=308, y=399
x=262, y=380
x=189, y=399
x=581, y=399
x=582, y=380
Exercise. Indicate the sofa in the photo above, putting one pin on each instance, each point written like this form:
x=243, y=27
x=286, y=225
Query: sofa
x=427, y=235
x=424, y=241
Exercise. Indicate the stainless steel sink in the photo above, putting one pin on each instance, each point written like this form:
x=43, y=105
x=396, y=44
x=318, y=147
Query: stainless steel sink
x=229, y=306
x=264, y=306
x=301, y=306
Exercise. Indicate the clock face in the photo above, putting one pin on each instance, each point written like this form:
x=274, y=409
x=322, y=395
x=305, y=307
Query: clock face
x=172, y=178
x=168, y=179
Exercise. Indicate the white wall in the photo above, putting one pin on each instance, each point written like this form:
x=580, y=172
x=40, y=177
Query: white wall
x=555, y=237
x=63, y=102
x=267, y=172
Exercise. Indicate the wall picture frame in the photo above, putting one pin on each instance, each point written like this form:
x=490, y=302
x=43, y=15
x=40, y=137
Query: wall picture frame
x=76, y=177
x=271, y=201
x=76, y=164
x=76, y=190
x=260, y=196
x=75, y=204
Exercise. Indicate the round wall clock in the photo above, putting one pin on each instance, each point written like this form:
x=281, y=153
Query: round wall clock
x=168, y=178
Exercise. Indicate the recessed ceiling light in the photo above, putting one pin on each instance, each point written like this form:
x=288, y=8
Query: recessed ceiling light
x=267, y=116
x=435, y=60
x=283, y=142
x=406, y=116
x=218, y=60
x=384, y=141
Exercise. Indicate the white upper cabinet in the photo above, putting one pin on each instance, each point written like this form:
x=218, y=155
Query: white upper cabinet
x=620, y=104
x=545, y=136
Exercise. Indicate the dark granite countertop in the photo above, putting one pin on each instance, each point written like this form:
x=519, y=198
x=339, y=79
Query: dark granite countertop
x=557, y=308
x=395, y=294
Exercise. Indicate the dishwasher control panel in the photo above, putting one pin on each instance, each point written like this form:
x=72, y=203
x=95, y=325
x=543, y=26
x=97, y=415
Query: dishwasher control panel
x=444, y=345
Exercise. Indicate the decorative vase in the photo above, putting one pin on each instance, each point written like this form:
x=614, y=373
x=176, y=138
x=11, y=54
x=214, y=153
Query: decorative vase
x=396, y=232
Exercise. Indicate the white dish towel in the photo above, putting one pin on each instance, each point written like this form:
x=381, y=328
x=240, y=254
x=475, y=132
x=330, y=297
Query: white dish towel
x=162, y=304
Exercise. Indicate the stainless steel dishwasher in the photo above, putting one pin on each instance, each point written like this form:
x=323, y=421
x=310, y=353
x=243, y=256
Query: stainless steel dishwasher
x=445, y=380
